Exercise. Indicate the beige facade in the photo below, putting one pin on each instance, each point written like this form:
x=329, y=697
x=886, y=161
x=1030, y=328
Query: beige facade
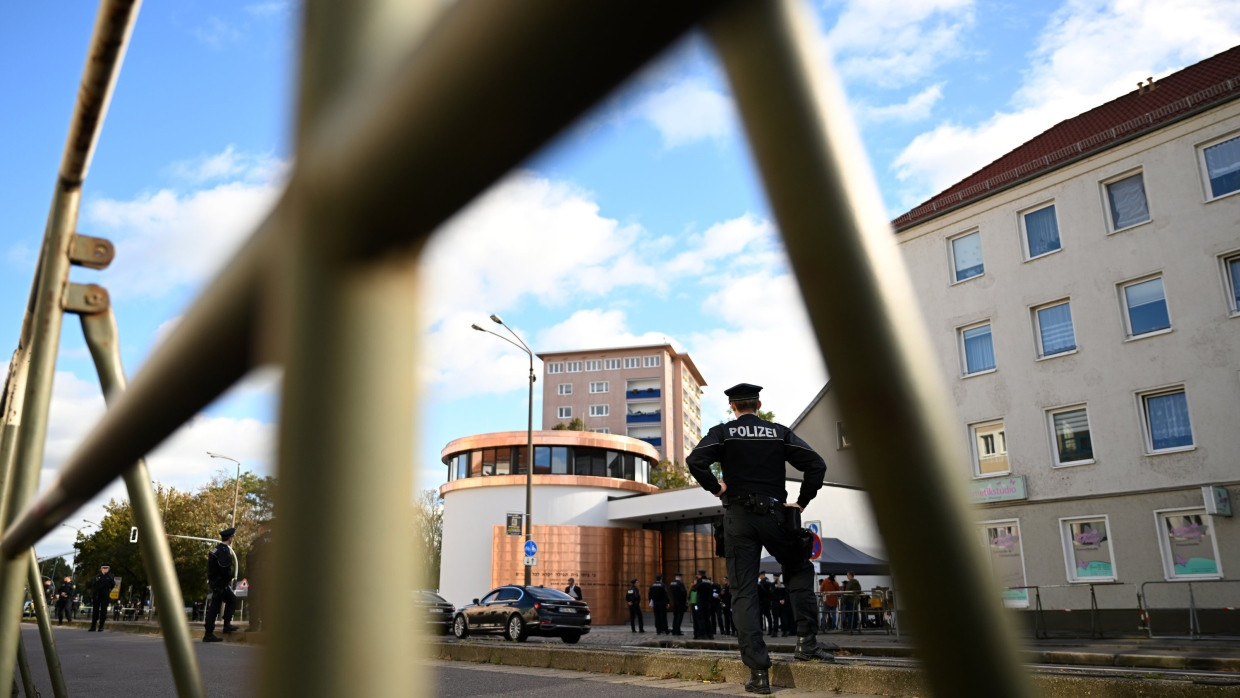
x=1067, y=376
x=650, y=393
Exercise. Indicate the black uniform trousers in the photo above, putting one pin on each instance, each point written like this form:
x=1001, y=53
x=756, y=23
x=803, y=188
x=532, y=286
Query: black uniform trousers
x=678, y=615
x=635, y=618
x=660, y=618
x=747, y=533
x=225, y=597
x=62, y=611
x=98, y=612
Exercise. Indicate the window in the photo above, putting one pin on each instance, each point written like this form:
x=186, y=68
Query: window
x=979, y=351
x=598, y=387
x=600, y=410
x=559, y=460
x=1053, y=325
x=573, y=366
x=1070, y=434
x=1007, y=560
x=564, y=412
x=1087, y=549
x=1146, y=307
x=967, y=256
x=601, y=430
x=1126, y=201
x=632, y=362
x=611, y=364
x=1166, y=421
x=1187, y=543
x=556, y=367
x=989, y=449
x=651, y=361
x=1222, y=164
x=1041, y=232
x=1231, y=281
x=594, y=365
x=565, y=389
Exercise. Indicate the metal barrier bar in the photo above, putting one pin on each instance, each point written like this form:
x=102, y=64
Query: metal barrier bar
x=841, y=246
x=40, y=335
x=23, y=662
x=102, y=339
x=44, y=620
x=1194, y=621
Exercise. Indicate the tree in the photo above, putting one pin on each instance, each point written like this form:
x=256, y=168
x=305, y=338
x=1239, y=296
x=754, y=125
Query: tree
x=670, y=475
x=574, y=424
x=428, y=537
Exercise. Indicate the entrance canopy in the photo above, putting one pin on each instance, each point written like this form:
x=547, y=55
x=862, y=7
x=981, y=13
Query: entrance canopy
x=837, y=557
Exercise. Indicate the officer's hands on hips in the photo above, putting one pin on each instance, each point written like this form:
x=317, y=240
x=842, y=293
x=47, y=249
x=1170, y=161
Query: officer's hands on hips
x=793, y=505
x=723, y=487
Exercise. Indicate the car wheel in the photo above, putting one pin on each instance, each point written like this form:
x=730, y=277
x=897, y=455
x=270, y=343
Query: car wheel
x=516, y=629
x=460, y=628
x=571, y=638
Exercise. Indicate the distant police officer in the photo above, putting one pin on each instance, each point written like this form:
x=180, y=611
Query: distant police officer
x=752, y=452
x=658, y=603
x=680, y=601
x=101, y=593
x=219, y=578
x=633, y=597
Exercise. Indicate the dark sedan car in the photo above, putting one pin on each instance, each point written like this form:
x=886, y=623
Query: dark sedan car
x=517, y=612
x=433, y=610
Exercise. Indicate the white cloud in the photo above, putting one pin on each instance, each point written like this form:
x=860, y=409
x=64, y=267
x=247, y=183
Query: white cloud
x=598, y=329
x=746, y=241
x=168, y=239
x=915, y=108
x=1088, y=54
x=689, y=111
x=215, y=32
x=268, y=9
x=894, y=43
x=230, y=165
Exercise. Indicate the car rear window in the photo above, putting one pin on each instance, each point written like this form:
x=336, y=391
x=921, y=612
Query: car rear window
x=550, y=594
x=430, y=597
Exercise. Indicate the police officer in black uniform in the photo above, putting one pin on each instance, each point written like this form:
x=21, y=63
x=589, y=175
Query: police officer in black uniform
x=752, y=452
x=658, y=603
x=64, y=596
x=219, y=580
x=680, y=601
x=701, y=609
x=633, y=597
x=101, y=593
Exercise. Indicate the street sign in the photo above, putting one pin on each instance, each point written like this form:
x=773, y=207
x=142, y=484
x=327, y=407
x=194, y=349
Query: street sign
x=531, y=561
x=816, y=551
x=815, y=527
x=133, y=534
x=514, y=523
x=531, y=548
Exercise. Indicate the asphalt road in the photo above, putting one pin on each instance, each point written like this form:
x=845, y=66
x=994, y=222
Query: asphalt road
x=125, y=664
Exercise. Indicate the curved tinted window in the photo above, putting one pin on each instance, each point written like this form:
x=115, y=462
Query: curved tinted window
x=509, y=594
x=549, y=594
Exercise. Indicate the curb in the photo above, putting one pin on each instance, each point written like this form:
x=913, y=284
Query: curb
x=853, y=677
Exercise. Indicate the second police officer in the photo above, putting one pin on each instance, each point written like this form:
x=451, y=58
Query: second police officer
x=752, y=452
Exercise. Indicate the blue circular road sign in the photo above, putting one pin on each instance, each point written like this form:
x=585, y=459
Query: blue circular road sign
x=531, y=548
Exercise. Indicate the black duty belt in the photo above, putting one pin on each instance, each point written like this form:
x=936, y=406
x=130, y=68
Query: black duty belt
x=753, y=503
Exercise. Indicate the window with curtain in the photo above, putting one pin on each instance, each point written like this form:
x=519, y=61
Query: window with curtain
x=1127, y=200
x=990, y=454
x=1055, y=335
x=1041, y=231
x=1147, y=307
x=1232, y=268
x=1072, y=440
x=967, y=256
x=1223, y=167
x=979, y=351
x=1166, y=419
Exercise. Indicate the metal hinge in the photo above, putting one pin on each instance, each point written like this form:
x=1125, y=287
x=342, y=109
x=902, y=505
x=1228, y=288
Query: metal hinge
x=85, y=299
x=95, y=253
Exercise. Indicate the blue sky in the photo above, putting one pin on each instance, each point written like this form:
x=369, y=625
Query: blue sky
x=643, y=222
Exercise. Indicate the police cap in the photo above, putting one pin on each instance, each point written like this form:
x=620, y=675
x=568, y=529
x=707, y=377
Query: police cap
x=743, y=391
x=228, y=533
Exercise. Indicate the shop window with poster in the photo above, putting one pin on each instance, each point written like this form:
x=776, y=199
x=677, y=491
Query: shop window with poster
x=1087, y=549
x=1188, y=547
x=1007, y=560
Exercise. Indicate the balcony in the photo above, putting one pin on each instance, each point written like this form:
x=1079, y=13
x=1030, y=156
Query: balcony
x=640, y=417
x=655, y=441
x=642, y=393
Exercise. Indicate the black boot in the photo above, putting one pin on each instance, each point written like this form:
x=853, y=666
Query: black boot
x=759, y=682
x=211, y=637
x=808, y=650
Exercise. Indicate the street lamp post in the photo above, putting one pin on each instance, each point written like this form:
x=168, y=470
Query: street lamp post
x=236, y=483
x=529, y=428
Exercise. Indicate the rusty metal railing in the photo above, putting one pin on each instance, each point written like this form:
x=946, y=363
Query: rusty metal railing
x=406, y=112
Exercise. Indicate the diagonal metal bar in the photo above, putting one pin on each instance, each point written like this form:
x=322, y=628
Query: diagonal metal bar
x=41, y=328
x=864, y=314
x=44, y=619
x=102, y=339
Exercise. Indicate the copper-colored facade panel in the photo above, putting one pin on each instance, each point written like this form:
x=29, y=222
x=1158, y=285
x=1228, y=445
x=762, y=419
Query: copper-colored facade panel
x=553, y=437
x=542, y=480
x=601, y=559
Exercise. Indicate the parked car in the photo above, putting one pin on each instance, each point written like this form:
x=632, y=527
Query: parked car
x=433, y=610
x=518, y=612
